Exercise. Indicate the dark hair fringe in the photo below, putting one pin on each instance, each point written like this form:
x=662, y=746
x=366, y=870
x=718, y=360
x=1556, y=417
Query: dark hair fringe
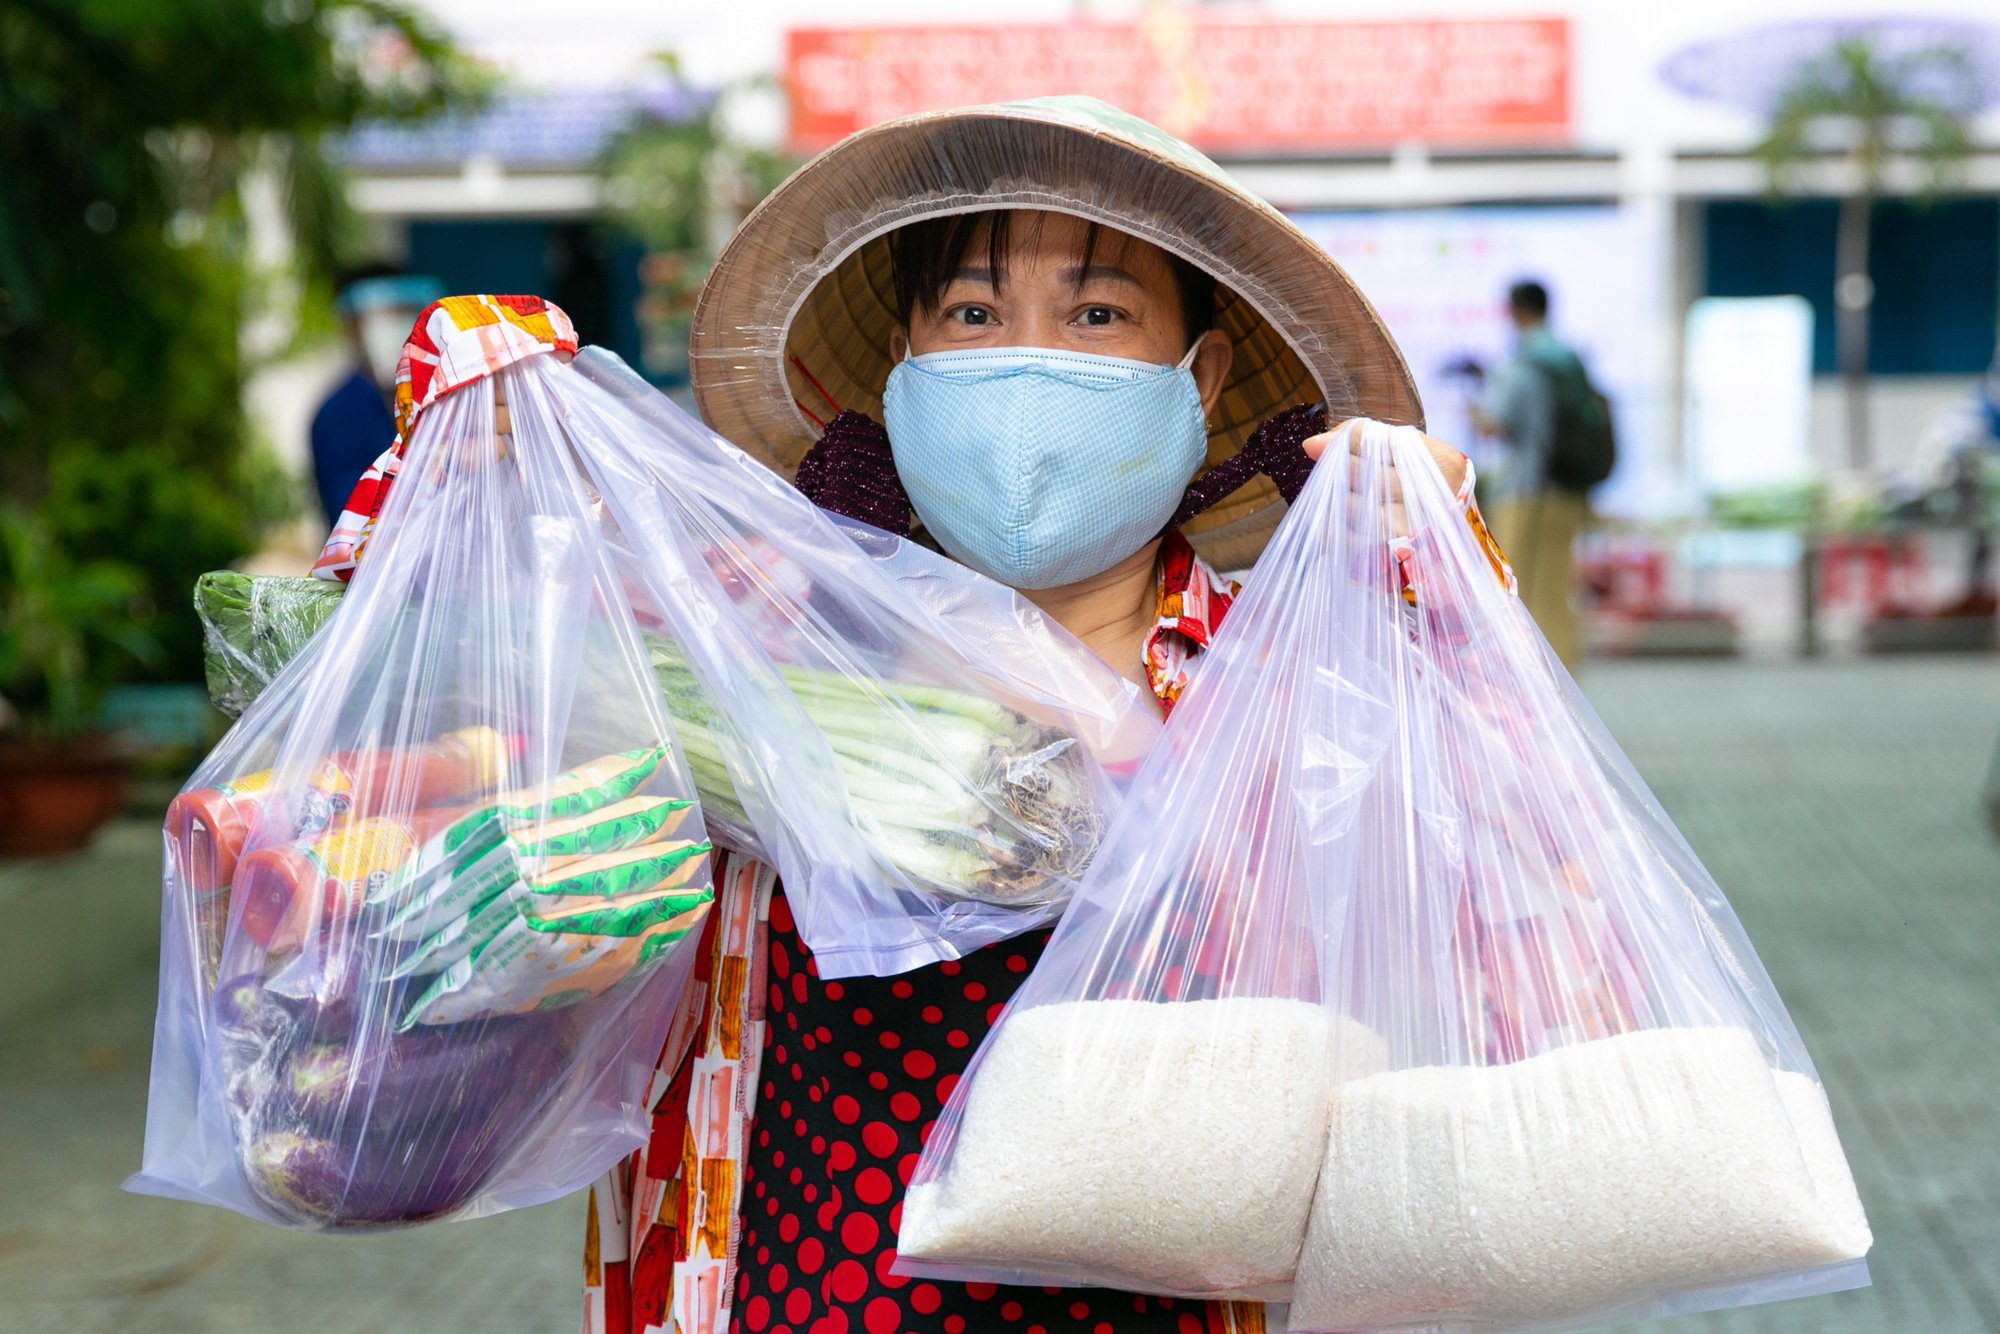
x=925, y=256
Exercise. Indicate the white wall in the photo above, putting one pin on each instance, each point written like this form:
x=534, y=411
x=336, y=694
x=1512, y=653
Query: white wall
x=1439, y=279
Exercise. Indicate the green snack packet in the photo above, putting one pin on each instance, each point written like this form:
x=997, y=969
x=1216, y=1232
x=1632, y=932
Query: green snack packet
x=590, y=787
x=632, y=915
x=611, y=874
x=586, y=788
x=462, y=937
x=638, y=820
x=608, y=915
x=673, y=868
x=522, y=969
x=462, y=889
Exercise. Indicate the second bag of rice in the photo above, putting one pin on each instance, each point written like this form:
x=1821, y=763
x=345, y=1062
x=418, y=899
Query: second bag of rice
x=1594, y=1106
x=1572, y=1183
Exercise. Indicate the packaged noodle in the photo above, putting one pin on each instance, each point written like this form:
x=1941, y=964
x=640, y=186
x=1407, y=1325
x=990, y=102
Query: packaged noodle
x=1556, y=1088
x=476, y=728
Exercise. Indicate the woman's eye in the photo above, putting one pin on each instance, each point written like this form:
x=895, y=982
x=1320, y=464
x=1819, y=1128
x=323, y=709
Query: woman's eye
x=976, y=315
x=1097, y=315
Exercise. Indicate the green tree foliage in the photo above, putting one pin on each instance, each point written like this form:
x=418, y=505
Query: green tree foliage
x=126, y=129
x=55, y=614
x=680, y=185
x=1873, y=108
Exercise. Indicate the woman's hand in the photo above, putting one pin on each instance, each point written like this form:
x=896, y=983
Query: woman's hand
x=1448, y=460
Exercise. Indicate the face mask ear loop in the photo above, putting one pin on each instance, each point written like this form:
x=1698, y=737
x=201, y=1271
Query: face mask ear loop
x=1187, y=362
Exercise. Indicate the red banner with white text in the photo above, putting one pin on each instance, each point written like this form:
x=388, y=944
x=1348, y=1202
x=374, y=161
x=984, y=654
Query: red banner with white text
x=1229, y=85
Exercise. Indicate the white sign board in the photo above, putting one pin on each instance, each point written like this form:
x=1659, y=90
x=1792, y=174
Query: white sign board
x=1439, y=279
x=1749, y=391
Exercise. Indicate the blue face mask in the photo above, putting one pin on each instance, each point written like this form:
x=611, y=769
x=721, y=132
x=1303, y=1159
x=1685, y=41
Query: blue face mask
x=1040, y=468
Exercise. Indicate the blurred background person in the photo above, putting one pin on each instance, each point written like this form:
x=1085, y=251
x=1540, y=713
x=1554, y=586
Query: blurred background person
x=355, y=424
x=1557, y=430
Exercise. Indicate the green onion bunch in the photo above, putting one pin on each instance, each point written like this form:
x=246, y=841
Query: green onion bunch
x=963, y=795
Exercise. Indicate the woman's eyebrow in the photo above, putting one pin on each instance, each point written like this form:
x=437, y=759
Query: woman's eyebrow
x=980, y=275
x=1110, y=273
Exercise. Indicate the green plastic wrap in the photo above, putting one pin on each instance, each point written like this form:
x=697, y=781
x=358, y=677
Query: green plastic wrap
x=252, y=625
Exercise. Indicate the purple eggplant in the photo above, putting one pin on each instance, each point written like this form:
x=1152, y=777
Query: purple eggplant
x=318, y=1083
x=405, y=1079
x=301, y=1177
x=244, y=1007
x=248, y=1009
x=406, y=1132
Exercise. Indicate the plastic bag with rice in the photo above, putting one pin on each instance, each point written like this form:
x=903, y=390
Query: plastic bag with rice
x=1553, y=1088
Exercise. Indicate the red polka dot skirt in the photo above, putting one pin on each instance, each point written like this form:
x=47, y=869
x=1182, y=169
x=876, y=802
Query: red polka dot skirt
x=855, y=1072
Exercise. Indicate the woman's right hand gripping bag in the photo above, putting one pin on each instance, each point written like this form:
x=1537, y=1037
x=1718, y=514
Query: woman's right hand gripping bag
x=1394, y=983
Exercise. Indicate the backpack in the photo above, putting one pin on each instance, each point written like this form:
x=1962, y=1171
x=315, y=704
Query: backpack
x=1585, y=448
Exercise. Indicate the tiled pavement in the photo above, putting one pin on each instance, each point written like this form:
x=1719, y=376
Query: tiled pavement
x=1834, y=802
x=1836, y=806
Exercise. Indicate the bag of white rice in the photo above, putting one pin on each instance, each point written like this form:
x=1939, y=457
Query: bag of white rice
x=1578, y=1183
x=1150, y=1112
x=1171, y=1145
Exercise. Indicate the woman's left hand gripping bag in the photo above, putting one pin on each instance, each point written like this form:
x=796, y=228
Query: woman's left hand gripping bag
x=431, y=903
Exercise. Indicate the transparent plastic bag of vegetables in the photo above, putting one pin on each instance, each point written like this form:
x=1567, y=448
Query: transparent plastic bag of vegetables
x=430, y=904
x=1561, y=1090
x=928, y=760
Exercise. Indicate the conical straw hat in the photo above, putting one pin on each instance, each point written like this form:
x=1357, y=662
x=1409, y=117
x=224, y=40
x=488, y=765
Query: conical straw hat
x=799, y=308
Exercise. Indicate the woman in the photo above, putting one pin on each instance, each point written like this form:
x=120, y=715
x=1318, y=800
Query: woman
x=1032, y=325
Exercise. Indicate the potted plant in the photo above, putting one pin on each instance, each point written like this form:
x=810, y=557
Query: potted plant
x=60, y=777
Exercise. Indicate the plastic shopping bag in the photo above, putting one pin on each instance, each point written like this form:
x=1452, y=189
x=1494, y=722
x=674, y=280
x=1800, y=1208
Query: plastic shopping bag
x=430, y=903
x=1554, y=1087
x=1596, y=1107
x=928, y=760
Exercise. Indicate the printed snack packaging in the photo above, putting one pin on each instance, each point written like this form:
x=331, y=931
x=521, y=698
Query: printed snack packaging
x=430, y=904
x=1552, y=1085
x=927, y=759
